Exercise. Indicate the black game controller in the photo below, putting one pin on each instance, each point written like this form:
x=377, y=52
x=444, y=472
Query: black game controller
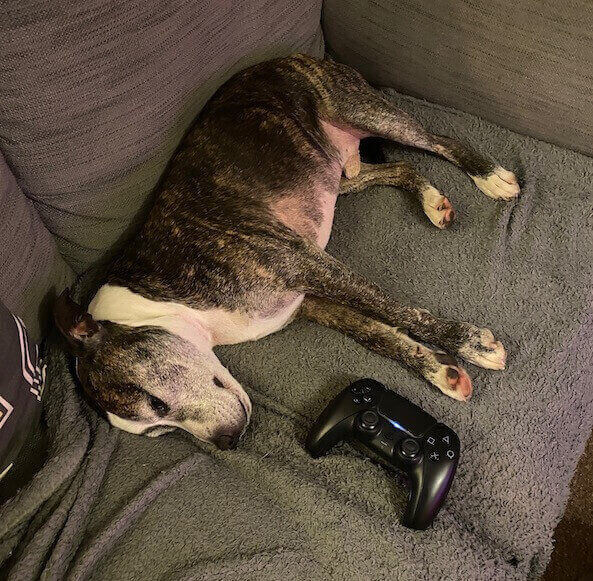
x=400, y=433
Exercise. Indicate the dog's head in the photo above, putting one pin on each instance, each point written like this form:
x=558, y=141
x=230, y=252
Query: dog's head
x=150, y=381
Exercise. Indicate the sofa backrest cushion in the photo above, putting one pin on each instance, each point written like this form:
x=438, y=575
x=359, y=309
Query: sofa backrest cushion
x=95, y=96
x=526, y=65
x=31, y=268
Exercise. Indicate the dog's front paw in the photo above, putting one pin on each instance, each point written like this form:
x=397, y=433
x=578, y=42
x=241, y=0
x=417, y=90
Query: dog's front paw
x=499, y=184
x=449, y=377
x=482, y=349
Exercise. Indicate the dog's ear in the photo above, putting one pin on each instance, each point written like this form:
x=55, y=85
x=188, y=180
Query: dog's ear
x=79, y=328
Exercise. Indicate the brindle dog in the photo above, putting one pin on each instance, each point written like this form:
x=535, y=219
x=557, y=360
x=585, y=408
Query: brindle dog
x=233, y=250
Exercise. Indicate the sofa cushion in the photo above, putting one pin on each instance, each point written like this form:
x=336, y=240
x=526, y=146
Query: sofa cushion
x=32, y=270
x=94, y=96
x=525, y=65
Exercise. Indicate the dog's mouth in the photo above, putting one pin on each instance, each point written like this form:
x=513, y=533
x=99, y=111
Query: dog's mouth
x=231, y=441
x=227, y=442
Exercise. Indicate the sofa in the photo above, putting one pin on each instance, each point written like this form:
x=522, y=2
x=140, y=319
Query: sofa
x=94, y=98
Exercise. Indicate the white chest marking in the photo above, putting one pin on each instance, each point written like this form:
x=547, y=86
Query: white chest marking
x=205, y=328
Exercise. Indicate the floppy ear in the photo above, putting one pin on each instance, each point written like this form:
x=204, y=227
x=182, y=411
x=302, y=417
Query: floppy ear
x=78, y=327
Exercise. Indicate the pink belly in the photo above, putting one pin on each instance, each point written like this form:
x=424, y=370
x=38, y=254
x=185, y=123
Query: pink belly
x=320, y=192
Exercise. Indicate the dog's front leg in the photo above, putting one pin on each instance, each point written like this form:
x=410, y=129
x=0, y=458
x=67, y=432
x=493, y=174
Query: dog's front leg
x=438, y=368
x=323, y=276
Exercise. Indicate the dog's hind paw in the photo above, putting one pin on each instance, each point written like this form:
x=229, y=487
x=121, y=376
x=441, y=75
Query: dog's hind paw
x=483, y=350
x=500, y=184
x=437, y=207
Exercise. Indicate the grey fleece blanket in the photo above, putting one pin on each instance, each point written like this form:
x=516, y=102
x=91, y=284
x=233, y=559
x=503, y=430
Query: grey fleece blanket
x=110, y=505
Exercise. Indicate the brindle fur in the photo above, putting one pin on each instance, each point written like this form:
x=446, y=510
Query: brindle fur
x=258, y=144
x=259, y=140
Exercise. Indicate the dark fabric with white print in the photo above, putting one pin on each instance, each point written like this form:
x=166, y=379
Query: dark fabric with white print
x=22, y=379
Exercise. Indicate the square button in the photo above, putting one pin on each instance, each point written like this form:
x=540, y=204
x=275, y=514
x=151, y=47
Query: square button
x=430, y=440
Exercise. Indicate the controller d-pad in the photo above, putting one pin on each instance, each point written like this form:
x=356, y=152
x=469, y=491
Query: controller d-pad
x=359, y=398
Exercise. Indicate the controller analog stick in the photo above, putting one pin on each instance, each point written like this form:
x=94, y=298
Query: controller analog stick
x=369, y=420
x=409, y=448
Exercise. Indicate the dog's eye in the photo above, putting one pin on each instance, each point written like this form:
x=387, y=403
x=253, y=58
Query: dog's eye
x=158, y=405
x=217, y=382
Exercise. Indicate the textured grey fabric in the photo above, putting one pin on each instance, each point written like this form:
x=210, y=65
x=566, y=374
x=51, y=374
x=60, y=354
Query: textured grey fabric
x=127, y=507
x=525, y=65
x=94, y=96
x=31, y=268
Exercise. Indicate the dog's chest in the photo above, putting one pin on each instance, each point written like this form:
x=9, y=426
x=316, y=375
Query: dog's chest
x=206, y=327
x=229, y=327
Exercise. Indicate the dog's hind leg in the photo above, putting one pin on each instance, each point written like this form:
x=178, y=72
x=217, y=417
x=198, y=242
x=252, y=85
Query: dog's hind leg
x=348, y=101
x=402, y=175
x=438, y=368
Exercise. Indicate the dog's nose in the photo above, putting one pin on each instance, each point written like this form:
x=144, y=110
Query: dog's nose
x=227, y=441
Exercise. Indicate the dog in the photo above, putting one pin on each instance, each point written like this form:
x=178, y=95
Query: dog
x=233, y=250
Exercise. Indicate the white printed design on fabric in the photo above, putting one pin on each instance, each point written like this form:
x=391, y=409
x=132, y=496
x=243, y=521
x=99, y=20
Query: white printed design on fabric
x=34, y=375
x=5, y=410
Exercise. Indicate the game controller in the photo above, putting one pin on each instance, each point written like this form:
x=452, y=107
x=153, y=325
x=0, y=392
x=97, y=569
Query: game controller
x=401, y=434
